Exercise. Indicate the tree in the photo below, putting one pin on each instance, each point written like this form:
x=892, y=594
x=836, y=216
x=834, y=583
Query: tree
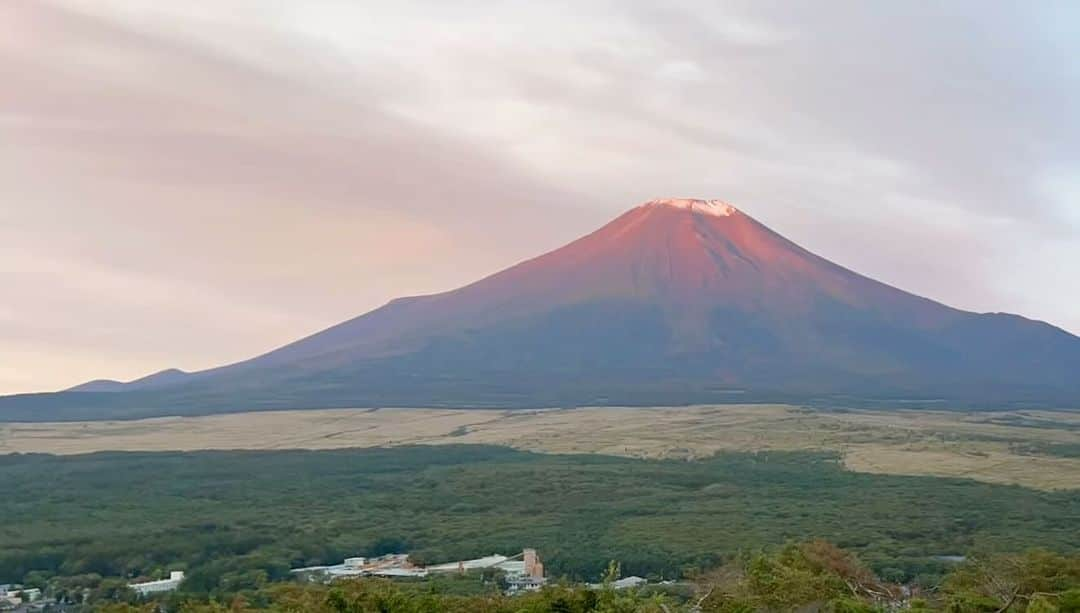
x=1001, y=583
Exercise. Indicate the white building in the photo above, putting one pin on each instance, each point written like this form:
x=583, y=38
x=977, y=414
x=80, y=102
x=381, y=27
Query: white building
x=628, y=582
x=176, y=577
x=390, y=565
x=622, y=584
x=17, y=594
x=355, y=562
x=492, y=561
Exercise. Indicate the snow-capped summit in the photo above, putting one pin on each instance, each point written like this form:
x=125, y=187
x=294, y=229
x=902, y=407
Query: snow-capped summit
x=707, y=207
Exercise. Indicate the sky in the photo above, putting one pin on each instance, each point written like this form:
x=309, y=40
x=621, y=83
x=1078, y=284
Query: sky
x=186, y=184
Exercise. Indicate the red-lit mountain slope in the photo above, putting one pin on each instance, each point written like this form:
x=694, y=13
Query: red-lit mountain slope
x=675, y=301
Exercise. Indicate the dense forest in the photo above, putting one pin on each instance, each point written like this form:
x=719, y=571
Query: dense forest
x=236, y=521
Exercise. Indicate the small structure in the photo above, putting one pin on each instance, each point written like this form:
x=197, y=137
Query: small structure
x=524, y=583
x=529, y=577
x=628, y=582
x=533, y=566
x=176, y=577
x=622, y=584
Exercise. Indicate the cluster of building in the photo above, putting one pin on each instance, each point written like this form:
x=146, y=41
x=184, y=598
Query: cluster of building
x=20, y=598
x=14, y=595
x=523, y=572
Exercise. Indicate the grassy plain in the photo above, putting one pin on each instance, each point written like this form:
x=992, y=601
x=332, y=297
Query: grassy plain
x=1039, y=449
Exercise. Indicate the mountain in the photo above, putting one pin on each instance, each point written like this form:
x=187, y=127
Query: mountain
x=676, y=301
x=164, y=377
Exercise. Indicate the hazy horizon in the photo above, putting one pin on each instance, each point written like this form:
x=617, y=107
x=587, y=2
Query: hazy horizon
x=187, y=186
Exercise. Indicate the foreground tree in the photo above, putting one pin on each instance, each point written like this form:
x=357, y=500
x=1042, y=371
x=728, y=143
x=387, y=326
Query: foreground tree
x=815, y=575
x=1038, y=582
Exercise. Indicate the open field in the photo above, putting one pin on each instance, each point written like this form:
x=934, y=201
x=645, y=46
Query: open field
x=1039, y=449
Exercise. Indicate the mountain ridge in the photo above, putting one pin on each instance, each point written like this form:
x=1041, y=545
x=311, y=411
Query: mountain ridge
x=162, y=377
x=678, y=299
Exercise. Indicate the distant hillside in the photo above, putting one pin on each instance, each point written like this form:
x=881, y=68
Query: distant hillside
x=165, y=377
